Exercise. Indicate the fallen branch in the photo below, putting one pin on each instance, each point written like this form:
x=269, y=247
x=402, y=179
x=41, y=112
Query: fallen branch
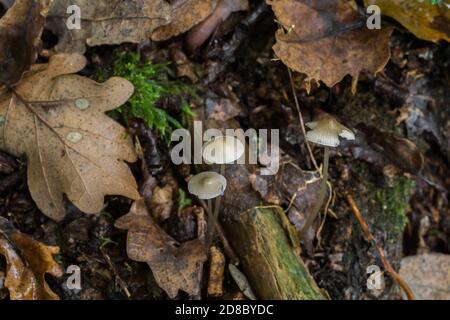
x=268, y=257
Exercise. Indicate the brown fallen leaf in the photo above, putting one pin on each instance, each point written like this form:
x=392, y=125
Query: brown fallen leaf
x=326, y=40
x=107, y=22
x=20, y=33
x=28, y=261
x=428, y=275
x=174, y=266
x=185, y=15
x=57, y=120
x=424, y=19
x=384, y=148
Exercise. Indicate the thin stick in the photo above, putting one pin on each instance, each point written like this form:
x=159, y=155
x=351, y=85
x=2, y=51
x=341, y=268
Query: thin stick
x=120, y=282
x=226, y=244
x=369, y=237
x=321, y=197
x=302, y=124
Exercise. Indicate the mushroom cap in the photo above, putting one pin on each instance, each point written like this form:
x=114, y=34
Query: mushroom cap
x=327, y=130
x=207, y=185
x=222, y=150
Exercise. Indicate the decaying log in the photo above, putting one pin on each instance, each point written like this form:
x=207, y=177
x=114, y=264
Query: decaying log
x=268, y=257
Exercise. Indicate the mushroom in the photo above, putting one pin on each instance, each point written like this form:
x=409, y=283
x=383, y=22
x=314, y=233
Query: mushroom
x=207, y=186
x=326, y=132
x=220, y=150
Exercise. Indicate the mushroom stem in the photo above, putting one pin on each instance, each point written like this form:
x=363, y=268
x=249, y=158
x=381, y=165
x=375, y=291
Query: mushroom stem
x=209, y=206
x=210, y=211
x=213, y=217
x=321, y=197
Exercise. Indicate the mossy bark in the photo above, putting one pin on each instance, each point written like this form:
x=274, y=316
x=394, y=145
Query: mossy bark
x=268, y=257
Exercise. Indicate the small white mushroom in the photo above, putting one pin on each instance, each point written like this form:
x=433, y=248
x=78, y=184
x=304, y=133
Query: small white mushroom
x=327, y=130
x=222, y=150
x=207, y=185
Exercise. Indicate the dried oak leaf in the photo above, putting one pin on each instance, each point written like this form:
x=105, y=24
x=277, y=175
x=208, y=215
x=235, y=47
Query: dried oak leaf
x=185, y=15
x=20, y=38
x=107, y=22
x=428, y=275
x=175, y=267
x=426, y=20
x=56, y=119
x=27, y=261
x=326, y=39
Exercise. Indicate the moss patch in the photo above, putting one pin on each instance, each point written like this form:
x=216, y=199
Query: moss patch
x=394, y=201
x=152, y=82
x=382, y=203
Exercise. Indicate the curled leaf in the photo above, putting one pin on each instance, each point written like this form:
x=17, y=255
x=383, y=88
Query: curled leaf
x=57, y=120
x=28, y=261
x=326, y=40
x=175, y=267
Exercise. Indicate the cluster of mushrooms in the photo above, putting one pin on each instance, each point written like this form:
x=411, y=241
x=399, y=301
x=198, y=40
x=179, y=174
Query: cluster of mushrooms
x=325, y=131
x=211, y=185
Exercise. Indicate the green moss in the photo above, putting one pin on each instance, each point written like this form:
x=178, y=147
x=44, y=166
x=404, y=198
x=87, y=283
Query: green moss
x=394, y=201
x=183, y=201
x=151, y=83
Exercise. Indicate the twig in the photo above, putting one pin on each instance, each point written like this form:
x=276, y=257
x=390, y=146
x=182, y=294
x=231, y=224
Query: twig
x=369, y=238
x=226, y=245
x=121, y=283
x=302, y=124
x=326, y=212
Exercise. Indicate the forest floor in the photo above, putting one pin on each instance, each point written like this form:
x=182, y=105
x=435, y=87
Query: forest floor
x=235, y=79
